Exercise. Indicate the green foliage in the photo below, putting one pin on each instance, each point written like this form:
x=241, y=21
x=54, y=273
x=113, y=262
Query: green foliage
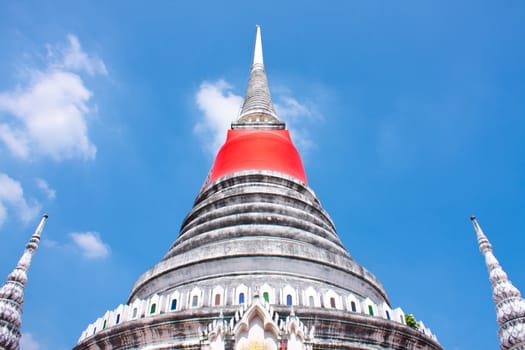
x=411, y=321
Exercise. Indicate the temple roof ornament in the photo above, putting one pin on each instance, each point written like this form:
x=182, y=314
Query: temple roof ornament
x=257, y=326
x=12, y=294
x=257, y=110
x=510, y=306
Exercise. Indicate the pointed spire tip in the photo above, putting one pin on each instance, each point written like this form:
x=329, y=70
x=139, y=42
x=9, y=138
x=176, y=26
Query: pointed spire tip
x=258, y=54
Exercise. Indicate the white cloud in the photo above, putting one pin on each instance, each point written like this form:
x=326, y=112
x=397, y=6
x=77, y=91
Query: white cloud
x=44, y=186
x=76, y=59
x=48, y=115
x=27, y=342
x=15, y=140
x=220, y=107
x=12, y=196
x=90, y=244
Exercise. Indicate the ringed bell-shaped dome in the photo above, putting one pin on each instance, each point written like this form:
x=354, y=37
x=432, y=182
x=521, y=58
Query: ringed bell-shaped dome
x=256, y=218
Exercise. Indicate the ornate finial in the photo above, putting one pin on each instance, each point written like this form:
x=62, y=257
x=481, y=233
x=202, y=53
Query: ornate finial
x=257, y=110
x=510, y=307
x=12, y=294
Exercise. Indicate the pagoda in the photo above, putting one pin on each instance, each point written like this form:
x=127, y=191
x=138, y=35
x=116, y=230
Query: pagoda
x=258, y=263
x=12, y=294
x=510, y=306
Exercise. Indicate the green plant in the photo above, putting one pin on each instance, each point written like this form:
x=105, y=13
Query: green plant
x=411, y=321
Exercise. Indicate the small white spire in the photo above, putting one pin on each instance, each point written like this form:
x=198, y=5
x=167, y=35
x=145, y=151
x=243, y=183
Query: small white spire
x=258, y=53
x=510, y=306
x=12, y=294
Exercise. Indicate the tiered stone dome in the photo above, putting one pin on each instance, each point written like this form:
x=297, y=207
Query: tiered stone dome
x=256, y=219
x=255, y=226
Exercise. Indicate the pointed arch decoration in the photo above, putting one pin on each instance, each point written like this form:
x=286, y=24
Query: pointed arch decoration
x=257, y=326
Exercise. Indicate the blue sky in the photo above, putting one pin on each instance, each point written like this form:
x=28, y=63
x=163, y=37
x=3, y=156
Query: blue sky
x=408, y=115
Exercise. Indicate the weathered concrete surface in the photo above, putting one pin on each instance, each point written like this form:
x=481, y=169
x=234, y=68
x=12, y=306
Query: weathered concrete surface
x=333, y=330
x=258, y=222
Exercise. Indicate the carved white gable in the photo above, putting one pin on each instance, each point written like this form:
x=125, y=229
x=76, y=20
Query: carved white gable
x=257, y=327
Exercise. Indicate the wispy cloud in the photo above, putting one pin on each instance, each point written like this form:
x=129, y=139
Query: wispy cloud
x=74, y=58
x=44, y=186
x=27, y=342
x=47, y=115
x=90, y=244
x=288, y=107
x=12, y=198
x=220, y=106
x=49, y=243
